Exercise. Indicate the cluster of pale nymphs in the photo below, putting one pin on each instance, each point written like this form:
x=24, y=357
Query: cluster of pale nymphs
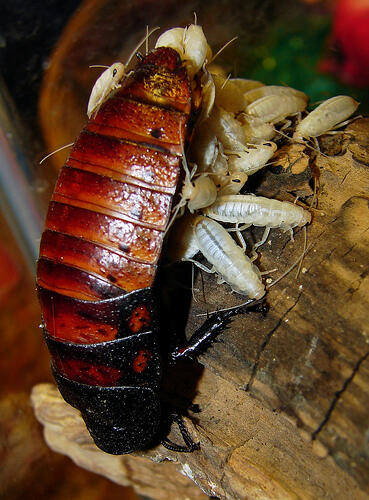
x=231, y=141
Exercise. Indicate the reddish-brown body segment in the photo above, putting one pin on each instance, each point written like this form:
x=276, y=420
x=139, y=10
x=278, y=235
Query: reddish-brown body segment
x=112, y=201
x=106, y=221
x=87, y=373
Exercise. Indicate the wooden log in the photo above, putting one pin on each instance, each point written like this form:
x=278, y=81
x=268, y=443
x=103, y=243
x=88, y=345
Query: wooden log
x=283, y=399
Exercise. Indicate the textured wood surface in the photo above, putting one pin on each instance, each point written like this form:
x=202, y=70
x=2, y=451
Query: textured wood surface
x=283, y=399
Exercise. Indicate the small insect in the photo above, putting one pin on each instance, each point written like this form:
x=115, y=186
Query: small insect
x=199, y=193
x=328, y=115
x=256, y=130
x=258, y=211
x=190, y=43
x=226, y=128
x=107, y=82
x=275, y=108
x=110, y=80
x=276, y=90
x=207, y=152
x=251, y=158
x=228, y=95
x=229, y=260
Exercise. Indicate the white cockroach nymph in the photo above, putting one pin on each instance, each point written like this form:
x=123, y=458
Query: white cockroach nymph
x=226, y=128
x=251, y=158
x=110, y=80
x=325, y=117
x=228, y=260
x=275, y=108
x=258, y=211
x=256, y=130
x=107, y=82
x=199, y=193
x=228, y=95
x=276, y=90
x=207, y=152
x=191, y=45
x=194, y=51
x=251, y=210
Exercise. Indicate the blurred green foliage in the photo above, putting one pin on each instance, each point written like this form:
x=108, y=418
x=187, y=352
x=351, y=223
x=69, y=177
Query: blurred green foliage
x=289, y=55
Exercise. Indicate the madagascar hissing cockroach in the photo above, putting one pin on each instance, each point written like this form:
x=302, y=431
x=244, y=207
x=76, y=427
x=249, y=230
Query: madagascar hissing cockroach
x=100, y=249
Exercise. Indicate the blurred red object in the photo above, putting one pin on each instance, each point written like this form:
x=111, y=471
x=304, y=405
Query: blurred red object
x=348, y=59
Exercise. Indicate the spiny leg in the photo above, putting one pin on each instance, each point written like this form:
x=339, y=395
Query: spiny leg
x=200, y=266
x=254, y=254
x=189, y=446
x=240, y=237
x=212, y=327
x=237, y=229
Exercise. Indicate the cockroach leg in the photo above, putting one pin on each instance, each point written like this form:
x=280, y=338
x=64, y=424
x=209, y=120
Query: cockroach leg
x=190, y=444
x=213, y=326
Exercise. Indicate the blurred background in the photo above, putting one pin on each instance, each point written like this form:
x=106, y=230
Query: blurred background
x=318, y=46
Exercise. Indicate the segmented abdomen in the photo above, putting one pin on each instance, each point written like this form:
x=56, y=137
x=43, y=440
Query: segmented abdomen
x=106, y=221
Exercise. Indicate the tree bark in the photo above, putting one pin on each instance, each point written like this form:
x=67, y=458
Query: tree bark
x=283, y=398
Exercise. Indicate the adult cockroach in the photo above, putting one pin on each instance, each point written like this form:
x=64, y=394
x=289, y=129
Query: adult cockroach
x=100, y=249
